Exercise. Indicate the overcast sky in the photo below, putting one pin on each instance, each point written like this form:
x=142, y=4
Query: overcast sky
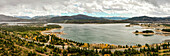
x=100, y=8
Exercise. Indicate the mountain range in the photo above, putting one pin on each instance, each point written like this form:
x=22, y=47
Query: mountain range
x=115, y=18
x=149, y=19
x=23, y=17
x=50, y=16
x=82, y=19
x=4, y=18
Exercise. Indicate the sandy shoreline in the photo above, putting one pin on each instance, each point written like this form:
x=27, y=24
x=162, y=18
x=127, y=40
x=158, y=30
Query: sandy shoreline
x=50, y=31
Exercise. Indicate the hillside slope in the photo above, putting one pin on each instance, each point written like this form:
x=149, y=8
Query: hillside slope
x=80, y=19
x=4, y=18
x=149, y=19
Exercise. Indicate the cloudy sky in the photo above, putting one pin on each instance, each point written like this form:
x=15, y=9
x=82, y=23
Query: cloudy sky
x=99, y=8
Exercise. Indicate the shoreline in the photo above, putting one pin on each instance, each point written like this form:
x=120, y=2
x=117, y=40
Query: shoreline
x=88, y=23
x=144, y=33
x=96, y=44
x=158, y=32
x=50, y=30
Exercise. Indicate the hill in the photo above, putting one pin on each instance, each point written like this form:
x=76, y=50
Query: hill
x=80, y=19
x=4, y=18
x=44, y=17
x=23, y=17
x=83, y=19
x=149, y=19
x=116, y=18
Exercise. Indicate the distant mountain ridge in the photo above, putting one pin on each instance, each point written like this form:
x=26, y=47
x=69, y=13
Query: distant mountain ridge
x=83, y=19
x=116, y=18
x=149, y=19
x=79, y=16
x=73, y=18
x=36, y=17
x=50, y=16
x=4, y=18
x=23, y=17
x=44, y=17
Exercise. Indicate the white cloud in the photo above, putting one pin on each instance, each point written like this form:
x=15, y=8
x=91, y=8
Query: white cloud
x=56, y=7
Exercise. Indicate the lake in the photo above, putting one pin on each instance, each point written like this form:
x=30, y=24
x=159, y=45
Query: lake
x=108, y=33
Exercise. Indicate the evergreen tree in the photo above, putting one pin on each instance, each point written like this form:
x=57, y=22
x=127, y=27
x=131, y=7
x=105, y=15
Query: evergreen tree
x=64, y=53
x=147, y=45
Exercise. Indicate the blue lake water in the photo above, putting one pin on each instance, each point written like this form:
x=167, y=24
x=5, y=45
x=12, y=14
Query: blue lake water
x=108, y=33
